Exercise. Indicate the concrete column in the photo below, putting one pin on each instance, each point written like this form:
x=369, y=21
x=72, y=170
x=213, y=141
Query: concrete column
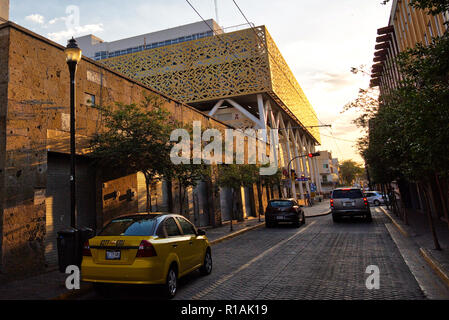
x=303, y=160
x=298, y=165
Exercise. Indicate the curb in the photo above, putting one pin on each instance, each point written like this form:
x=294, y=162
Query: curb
x=394, y=222
x=88, y=287
x=435, y=265
x=320, y=215
x=74, y=293
x=236, y=233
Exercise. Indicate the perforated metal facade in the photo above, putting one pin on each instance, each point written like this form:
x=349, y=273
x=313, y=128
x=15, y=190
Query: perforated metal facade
x=228, y=65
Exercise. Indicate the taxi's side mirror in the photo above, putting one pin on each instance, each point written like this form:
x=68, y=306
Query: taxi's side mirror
x=201, y=232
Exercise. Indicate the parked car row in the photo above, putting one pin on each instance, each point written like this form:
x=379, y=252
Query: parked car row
x=159, y=248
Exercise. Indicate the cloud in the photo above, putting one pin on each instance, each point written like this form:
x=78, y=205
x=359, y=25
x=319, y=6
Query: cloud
x=53, y=21
x=331, y=80
x=75, y=32
x=36, y=18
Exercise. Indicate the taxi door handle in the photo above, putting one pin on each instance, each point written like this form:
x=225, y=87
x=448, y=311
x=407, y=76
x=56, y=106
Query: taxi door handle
x=191, y=242
x=174, y=245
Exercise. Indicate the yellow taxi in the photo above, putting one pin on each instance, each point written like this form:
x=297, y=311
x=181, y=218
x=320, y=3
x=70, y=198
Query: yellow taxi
x=146, y=249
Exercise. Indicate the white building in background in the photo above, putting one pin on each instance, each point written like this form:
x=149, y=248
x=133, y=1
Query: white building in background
x=329, y=172
x=97, y=49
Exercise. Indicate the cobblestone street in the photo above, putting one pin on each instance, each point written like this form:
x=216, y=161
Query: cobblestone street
x=320, y=260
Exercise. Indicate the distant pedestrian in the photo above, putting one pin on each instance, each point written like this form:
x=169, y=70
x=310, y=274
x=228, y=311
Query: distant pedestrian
x=309, y=202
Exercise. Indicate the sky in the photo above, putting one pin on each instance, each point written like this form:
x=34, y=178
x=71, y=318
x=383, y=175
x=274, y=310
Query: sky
x=320, y=40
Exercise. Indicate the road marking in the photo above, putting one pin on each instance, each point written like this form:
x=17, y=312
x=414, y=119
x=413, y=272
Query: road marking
x=246, y=265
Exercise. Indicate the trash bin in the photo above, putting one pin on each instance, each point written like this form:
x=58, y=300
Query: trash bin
x=68, y=248
x=85, y=233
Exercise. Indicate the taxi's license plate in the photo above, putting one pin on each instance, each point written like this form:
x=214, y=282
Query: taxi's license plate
x=280, y=217
x=112, y=254
x=348, y=204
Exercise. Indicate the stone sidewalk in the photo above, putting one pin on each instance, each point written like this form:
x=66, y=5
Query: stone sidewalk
x=51, y=285
x=418, y=230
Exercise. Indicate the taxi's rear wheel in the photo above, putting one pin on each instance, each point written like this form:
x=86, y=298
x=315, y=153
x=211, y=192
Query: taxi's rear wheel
x=171, y=283
x=206, y=268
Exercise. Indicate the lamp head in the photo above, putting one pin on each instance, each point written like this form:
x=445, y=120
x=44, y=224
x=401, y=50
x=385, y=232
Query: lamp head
x=72, y=51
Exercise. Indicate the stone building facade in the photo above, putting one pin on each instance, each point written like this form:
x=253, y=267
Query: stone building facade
x=34, y=149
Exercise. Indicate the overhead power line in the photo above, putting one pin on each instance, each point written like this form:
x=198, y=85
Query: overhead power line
x=338, y=138
x=273, y=58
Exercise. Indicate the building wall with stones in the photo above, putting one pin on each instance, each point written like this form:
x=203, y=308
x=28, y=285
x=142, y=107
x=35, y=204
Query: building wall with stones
x=34, y=126
x=4, y=40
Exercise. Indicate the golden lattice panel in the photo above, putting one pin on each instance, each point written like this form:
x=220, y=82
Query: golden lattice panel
x=211, y=68
x=204, y=69
x=287, y=89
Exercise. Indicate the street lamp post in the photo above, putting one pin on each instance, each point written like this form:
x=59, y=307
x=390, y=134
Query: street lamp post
x=73, y=56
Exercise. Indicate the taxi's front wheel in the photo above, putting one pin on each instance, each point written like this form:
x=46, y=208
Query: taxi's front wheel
x=206, y=268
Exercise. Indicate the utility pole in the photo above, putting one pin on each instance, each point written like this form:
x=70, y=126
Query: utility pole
x=216, y=12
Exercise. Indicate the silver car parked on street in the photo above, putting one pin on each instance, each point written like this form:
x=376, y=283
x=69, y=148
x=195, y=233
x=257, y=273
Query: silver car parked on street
x=375, y=198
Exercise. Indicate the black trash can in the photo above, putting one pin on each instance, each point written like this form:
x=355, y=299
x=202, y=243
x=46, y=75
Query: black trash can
x=85, y=234
x=68, y=248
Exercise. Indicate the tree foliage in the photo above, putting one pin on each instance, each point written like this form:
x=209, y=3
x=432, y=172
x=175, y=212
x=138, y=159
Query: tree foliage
x=434, y=6
x=135, y=137
x=408, y=133
x=349, y=171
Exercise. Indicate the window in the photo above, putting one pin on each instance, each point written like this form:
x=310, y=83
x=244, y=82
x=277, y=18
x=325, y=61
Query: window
x=325, y=166
x=429, y=27
x=171, y=228
x=186, y=226
x=347, y=193
x=407, y=5
x=437, y=25
x=281, y=204
x=405, y=18
x=130, y=226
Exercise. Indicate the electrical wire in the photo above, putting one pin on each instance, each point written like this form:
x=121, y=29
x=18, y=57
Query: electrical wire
x=273, y=58
x=338, y=138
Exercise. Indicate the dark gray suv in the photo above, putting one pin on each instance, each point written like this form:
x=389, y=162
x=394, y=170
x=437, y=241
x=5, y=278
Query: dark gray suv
x=346, y=202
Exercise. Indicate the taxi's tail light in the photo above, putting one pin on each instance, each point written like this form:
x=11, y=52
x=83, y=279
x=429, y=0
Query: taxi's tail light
x=366, y=201
x=146, y=250
x=332, y=202
x=86, y=249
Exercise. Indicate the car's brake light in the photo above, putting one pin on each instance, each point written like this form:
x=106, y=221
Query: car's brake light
x=366, y=201
x=332, y=202
x=146, y=249
x=86, y=249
